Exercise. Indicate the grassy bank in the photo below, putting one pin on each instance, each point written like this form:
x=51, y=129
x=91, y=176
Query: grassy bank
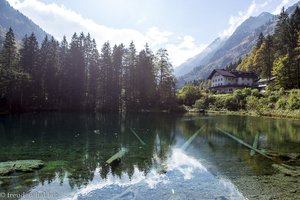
x=272, y=103
x=274, y=114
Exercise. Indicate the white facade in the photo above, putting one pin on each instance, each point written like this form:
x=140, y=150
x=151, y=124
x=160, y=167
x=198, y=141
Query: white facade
x=245, y=81
x=220, y=80
x=224, y=81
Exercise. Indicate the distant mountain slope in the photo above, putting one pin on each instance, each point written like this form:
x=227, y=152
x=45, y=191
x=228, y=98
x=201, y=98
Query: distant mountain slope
x=200, y=59
x=21, y=25
x=233, y=48
x=236, y=46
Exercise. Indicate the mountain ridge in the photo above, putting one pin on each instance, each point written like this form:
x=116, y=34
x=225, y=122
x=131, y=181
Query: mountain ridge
x=21, y=24
x=233, y=48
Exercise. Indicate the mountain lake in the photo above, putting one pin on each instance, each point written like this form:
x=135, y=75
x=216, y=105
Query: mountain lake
x=163, y=156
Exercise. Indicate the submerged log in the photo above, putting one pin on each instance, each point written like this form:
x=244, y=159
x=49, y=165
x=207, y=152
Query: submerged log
x=136, y=135
x=255, y=144
x=9, y=167
x=281, y=167
x=244, y=143
x=117, y=156
x=190, y=140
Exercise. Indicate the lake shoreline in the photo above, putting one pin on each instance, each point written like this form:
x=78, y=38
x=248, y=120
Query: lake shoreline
x=278, y=114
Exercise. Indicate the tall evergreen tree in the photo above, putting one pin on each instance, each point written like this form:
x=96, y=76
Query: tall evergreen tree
x=49, y=62
x=117, y=65
x=8, y=55
x=64, y=83
x=11, y=77
x=77, y=73
x=165, y=78
x=130, y=77
x=105, y=93
x=145, y=84
x=94, y=75
x=264, y=58
x=29, y=57
x=282, y=34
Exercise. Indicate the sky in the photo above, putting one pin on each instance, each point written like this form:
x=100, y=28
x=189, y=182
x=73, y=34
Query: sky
x=183, y=27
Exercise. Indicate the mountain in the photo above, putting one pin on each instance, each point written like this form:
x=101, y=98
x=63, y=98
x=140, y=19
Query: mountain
x=222, y=52
x=229, y=50
x=200, y=59
x=21, y=25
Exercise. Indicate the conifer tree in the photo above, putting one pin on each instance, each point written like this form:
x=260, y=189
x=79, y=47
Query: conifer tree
x=165, y=78
x=8, y=55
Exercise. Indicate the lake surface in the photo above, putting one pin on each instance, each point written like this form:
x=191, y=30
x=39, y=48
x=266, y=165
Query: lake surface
x=75, y=147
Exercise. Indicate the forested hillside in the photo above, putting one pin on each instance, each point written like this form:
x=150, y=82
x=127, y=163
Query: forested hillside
x=22, y=25
x=279, y=54
x=75, y=76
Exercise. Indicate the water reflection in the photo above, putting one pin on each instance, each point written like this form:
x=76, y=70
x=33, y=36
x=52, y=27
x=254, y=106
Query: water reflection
x=75, y=147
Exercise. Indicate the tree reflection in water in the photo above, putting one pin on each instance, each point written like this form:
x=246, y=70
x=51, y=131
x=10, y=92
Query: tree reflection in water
x=76, y=146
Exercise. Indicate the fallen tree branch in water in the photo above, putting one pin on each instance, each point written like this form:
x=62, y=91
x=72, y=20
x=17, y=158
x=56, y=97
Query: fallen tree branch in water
x=255, y=144
x=283, y=168
x=136, y=135
x=116, y=156
x=190, y=140
x=244, y=143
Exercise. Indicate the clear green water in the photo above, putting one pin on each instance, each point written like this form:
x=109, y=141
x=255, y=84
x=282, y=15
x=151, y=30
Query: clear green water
x=75, y=147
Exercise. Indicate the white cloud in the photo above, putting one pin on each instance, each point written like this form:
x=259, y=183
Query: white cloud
x=157, y=37
x=235, y=21
x=58, y=21
x=184, y=49
x=279, y=7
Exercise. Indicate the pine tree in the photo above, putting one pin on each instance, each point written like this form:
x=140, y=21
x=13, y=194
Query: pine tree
x=29, y=56
x=117, y=64
x=94, y=74
x=145, y=84
x=130, y=77
x=11, y=77
x=264, y=58
x=64, y=68
x=297, y=63
x=260, y=40
x=165, y=78
x=281, y=35
x=49, y=62
x=8, y=55
x=77, y=73
x=105, y=93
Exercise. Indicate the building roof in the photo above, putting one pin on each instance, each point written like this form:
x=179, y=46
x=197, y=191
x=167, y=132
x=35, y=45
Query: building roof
x=235, y=74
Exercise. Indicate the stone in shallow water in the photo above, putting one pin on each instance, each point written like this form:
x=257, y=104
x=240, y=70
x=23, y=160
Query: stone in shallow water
x=19, y=166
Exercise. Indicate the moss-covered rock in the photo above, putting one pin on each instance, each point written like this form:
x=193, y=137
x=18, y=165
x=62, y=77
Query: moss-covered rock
x=19, y=166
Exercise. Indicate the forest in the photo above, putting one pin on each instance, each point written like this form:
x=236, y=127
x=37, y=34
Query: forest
x=278, y=55
x=274, y=56
x=76, y=76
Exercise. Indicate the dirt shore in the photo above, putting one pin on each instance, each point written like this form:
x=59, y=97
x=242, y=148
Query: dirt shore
x=276, y=186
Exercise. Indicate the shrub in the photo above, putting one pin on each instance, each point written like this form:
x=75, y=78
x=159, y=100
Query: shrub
x=293, y=102
x=281, y=103
x=204, y=102
x=264, y=103
x=252, y=103
x=256, y=93
x=188, y=94
x=231, y=103
x=272, y=98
